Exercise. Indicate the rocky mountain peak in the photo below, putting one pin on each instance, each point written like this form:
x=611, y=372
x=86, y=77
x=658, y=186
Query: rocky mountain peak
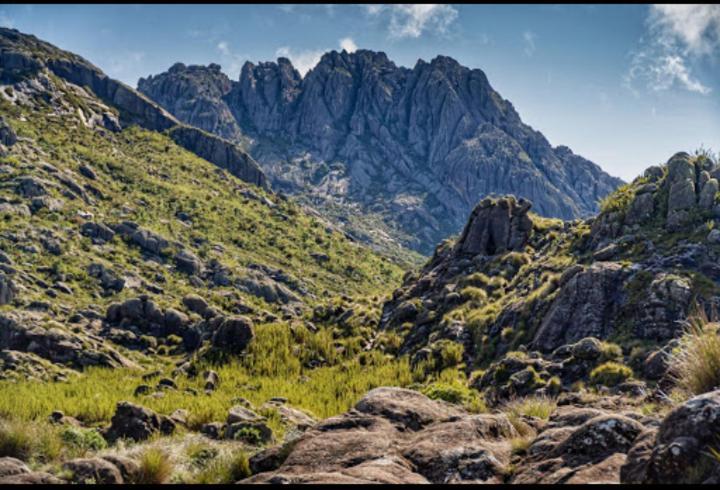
x=416, y=148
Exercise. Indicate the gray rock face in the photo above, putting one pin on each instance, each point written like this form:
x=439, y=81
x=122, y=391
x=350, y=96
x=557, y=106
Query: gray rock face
x=395, y=435
x=586, y=307
x=496, y=227
x=423, y=144
x=8, y=290
x=677, y=452
x=25, y=332
x=579, y=446
x=7, y=135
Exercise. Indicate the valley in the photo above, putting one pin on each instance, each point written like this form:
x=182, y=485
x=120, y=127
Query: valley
x=172, y=311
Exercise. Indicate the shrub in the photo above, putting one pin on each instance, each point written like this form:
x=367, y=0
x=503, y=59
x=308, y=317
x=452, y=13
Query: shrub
x=443, y=391
x=610, y=374
x=155, y=467
x=83, y=439
x=474, y=294
x=610, y=351
x=26, y=441
x=15, y=442
x=695, y=363
x=450, y=353
x=225, y=469
x=533, y=406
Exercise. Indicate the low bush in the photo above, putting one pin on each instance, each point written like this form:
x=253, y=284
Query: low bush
x=610, y=374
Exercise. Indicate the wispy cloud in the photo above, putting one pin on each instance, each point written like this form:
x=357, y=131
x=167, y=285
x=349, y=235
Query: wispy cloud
x=529, y=39
x=306, y=59
x=678, y=37
x=230, y=59
x=303, y=60
x=348, y=45
x=412, y=20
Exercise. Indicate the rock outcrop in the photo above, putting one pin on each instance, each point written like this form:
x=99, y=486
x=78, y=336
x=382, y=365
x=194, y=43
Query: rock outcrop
x=137, y=423
x=495, y=227
x=682, y=450
x=395, y=435
x=418, y=146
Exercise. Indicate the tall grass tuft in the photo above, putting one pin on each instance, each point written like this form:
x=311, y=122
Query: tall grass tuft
x=155, y=467
x=694, y=364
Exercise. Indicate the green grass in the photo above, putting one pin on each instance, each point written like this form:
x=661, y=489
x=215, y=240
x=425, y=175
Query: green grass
x=695, y=363
x=225, y=469
x=533, y=406
x=610, y=374
x=155, y=467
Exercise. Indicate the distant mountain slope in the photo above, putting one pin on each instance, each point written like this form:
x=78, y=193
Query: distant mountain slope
x=417, y=148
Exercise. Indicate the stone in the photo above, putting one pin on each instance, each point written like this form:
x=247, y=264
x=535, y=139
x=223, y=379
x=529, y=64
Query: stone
x=585, y=307
x=393, y=435
x=588, y=348
x=196, y=304
x=137, y=423
x=7, y=134
x=496, y=226
x=674, y=453
x=93, y=470
x=713, y=236
x=87, y=171
x=8, y=290
x=30, y=186
x=241, y=414
x=12, y=466
x=213, y=430
x=97, y=231
x=706, y=200
x=234, y=334
x=188, y=262
x=129, y=469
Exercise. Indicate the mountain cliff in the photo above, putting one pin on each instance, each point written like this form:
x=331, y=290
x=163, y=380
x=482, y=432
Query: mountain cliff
x=415, y=147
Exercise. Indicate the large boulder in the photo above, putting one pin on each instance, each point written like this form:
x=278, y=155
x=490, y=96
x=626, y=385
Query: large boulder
x=579, y=445
x=496, y=226
x=394, y=435
x=8, y=290
x=93, y=470
x=680, y=450
x=233, y=335
x=7, y=135
x=138, y=423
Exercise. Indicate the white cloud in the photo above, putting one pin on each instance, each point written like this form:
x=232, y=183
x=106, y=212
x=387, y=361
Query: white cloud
x=303, y=60
x=697, y=26
x=678, y=37
x=412, y=20
x=348, y=45
x=230, y=59
x=529, y=38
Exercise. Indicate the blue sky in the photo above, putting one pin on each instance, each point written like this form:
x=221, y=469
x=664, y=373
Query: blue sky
x=623, y=85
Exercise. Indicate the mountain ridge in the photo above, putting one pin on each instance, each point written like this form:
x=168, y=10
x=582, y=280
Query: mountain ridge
x=419, y=145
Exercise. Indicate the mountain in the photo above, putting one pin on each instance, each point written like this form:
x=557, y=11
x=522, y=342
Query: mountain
x=416, y=148
x=167, y=318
